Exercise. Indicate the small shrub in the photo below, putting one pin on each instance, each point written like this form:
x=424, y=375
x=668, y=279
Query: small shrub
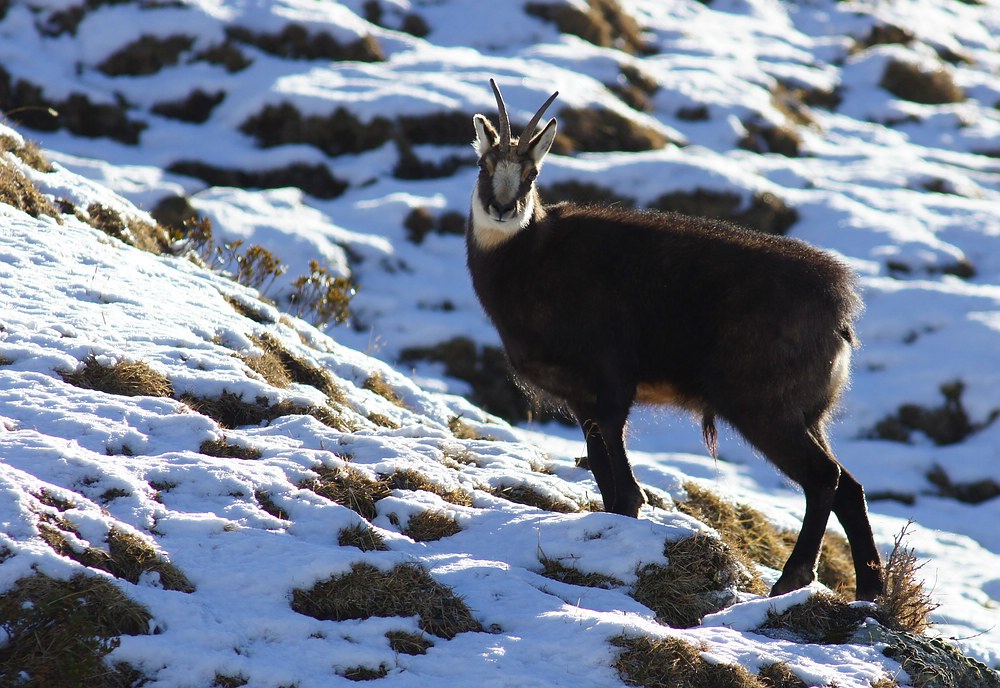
x=363, y=537
x=906, y=604
x=699, y=578
x=674, y=663
x=406, y=590
x=137, y=233
x=146, y=55
x=321, y=296
x=28, y=152
x=406, y=643
x=911, y=82
x=349, y=487
x=124, y=378
x=429, y=526
x=58, y=632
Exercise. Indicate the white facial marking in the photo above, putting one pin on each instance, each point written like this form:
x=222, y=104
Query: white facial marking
x=506, y=180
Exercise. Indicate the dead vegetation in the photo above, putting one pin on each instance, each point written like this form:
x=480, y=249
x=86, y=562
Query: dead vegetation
x=421, y=221
x=946, y=424
x=674, y=663
x=223, y=448
x=377, y=384
x=529, y=496
x=406, y=643
x=405, y=590
x=232, y=411
x=296, y=42
x=600, y=130
x=766, y=212
x=755, y=540
x=58, y=632
x=363, y=537
x=146, y=55
x=124, y=378
x=128, y=556
x=603, y=22
x=28, y=152
x=431, y=525
x=700, y=577
x=906, y=604
x=912, y=82
x=350, y=487
x=408, y=479
x=18, y=191
x=196, y=107
x=557, y=570
x=130, y=230
x=316, y=180
x=823, y=618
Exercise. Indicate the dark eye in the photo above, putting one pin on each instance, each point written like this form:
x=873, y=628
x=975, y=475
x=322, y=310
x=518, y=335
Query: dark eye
x=532, y=175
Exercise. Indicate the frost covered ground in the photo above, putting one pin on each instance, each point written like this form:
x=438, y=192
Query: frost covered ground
x=751, y=98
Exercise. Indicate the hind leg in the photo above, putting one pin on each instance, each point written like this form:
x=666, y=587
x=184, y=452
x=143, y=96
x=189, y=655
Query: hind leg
x=789, y=445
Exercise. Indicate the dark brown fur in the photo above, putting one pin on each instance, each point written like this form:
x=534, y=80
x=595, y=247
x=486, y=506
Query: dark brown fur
x=602, y=308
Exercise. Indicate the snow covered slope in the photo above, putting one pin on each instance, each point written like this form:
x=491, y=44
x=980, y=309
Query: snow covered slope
x=337, y=132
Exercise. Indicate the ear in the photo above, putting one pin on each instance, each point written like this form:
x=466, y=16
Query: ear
x=541, y=144
x=486, y=135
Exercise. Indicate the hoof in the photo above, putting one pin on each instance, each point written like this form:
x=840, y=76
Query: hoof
x=791, y=582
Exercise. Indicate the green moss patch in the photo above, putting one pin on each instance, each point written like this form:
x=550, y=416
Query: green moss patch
x=406, y=590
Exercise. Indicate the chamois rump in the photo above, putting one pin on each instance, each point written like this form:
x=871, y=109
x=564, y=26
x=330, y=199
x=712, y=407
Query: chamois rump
x=601, y=308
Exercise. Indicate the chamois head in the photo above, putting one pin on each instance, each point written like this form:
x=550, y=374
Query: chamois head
x=504, y=200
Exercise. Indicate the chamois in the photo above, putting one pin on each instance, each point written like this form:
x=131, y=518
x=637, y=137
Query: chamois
x=601, y=308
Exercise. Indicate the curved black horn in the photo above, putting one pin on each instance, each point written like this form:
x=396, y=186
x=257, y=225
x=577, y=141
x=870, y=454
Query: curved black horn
x=504, y=122
x=522, y=144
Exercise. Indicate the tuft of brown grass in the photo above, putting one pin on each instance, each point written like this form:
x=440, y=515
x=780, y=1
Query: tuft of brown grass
x=885, y=682
x=779, y=675
x=377, y=384
x=16, y=190
x=134, y=232
x=911, y=82
x=131, y=556
x=406, y=643
x=599, y=130
x=302, y=371
x=409, y=479
x=228, y=681
x=349, y=487
x=232, y=411
x=406, y=590
x=125, y=378
x=604, y=23
x=558, y=571
x=224, y=449
x=700, y=578
x=268, y=504
x=428, y=526
x=268, y=365
x=58, y=632
x=363, y=673
x=674, y=663
x=754, y=539
x=906, y=604
x=823, y=618
x=28, y=152
x=363, y=537
x=529, y=496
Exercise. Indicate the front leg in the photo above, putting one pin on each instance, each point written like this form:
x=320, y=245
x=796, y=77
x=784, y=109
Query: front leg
x=604, y=434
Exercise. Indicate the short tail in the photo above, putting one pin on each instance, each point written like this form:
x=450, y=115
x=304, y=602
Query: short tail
x=710, y=434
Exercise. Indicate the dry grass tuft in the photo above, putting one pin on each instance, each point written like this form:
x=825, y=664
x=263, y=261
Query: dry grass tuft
x=131, y=557
x=28, y=152
x=885, y=682
x=406, y=643
x=377, y=384
x=363, y=673
x=779, y=675
x=675, y=663
x=558, y=571
x=269, y=366
x=529, y=496
x=911, y=82
x=823, y=618
x=599, y=130
x=363, y=537
x=59, y=631
x=231, y=411
x=604, y=23
x=906, y=604
x=125, y=378
x=700, y=578
x=227, y=681
x=406, y=590
x=428, y=526
x=16, y=190
x=349, y=487
x=224, y=449
x=142, y=235
x=754, y=539
x=302, y=371
x=408, y=479
x=268, y=504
